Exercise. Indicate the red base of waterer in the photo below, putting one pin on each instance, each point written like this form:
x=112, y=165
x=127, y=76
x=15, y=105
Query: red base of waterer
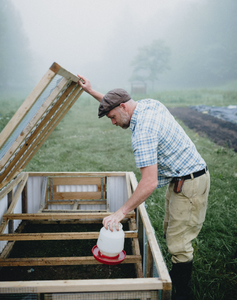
x=107, y=260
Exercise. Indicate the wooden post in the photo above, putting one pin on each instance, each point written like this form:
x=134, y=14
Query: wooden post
x=9, y=202
x=24, y=199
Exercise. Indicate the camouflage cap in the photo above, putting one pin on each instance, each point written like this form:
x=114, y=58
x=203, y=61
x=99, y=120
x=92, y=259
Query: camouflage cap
x=111, y=100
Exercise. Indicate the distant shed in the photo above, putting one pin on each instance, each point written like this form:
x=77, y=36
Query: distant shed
x=70, y=198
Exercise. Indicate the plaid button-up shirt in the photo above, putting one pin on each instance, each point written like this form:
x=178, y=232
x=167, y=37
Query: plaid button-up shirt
x=158, y=138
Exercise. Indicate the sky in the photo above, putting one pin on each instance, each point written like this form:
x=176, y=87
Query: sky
x=98, y=39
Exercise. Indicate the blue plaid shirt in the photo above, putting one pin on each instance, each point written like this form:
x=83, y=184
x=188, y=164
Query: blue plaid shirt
x=158, y=138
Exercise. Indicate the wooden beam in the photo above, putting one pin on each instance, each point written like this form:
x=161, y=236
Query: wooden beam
x=60, y=261
x=61, y=216
x=76, y=174
x=10, y=186
x=156, y=253
x=78, y=202
x=17, y=193
x=73, y=286
x=56, y=236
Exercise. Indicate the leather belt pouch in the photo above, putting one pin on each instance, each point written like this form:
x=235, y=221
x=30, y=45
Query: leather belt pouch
x=178, y=185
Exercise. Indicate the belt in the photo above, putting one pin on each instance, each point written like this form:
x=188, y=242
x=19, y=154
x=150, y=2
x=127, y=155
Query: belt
x=195, y=175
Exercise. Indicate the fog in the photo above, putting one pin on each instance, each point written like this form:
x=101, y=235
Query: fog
x=99, y=39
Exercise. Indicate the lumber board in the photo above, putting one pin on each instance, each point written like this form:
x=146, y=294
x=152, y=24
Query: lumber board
x=71, y=174
x=10, y=186
x=17, y=193
x=149, y=262
x=56, y=236
x=156, y=253
x=76, y=195
x=60, y=261
x=77, y=202
x=77, y=181
x=73, y=286
x=136, y=249
x=26, y=106
x=61, y=216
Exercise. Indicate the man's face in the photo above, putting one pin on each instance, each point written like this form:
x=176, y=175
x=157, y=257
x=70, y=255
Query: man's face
x=119, y=117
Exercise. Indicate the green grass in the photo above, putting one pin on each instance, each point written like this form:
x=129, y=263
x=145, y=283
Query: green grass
x=82, y=142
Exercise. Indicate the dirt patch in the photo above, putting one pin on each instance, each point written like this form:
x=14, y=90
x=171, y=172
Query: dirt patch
x=221, y=132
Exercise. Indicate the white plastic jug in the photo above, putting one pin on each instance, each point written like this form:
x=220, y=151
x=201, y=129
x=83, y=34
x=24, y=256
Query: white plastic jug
x=111, y=243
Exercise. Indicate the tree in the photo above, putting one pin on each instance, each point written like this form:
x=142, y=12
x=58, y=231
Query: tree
x=150, y=62
x=15, y=56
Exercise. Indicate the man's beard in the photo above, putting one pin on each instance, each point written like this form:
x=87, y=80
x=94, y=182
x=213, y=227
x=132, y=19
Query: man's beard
x=125, y=120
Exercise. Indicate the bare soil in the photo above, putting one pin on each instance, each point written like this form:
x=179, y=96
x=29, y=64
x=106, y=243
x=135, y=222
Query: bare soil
x=221, y=132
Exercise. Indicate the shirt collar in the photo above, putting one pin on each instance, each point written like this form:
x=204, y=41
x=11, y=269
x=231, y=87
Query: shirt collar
x=133, y=120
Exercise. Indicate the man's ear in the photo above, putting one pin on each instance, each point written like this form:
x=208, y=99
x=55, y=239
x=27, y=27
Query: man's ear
x=124, y=106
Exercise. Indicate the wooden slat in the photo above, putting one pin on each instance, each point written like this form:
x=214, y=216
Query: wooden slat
x=60, y=261
x=136, y=249
x=77, y=181
x=76, y=195
x=61, y=216
x=78, y=202
x=73, y=286
x=70, y=174
x=156, y=253
x=26, y=106
x=149, y=262
x=56, y=236
x=11, y=185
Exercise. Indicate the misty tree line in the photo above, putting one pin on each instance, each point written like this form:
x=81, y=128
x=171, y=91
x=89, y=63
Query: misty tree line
x=204, y=50
x=15, y=56
x=212, y=59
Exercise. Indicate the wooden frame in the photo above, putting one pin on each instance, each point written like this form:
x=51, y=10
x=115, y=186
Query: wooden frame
x=29, y=128
x=141, y=283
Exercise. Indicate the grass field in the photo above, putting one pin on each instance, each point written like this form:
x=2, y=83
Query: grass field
x=82, y=142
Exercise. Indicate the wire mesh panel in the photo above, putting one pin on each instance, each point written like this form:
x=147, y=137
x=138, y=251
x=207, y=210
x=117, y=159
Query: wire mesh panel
x=134, y=295
x=19, y=297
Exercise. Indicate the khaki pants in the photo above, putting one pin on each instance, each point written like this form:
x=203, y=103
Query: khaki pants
x=184, y=216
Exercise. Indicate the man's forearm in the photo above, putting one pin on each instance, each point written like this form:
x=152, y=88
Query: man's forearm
x=97, y=95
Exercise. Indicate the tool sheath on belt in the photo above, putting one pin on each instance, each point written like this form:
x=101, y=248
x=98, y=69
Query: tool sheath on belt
x=178, y=185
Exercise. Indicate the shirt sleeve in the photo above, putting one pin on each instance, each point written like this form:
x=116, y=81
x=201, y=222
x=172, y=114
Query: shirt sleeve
x=145, y=149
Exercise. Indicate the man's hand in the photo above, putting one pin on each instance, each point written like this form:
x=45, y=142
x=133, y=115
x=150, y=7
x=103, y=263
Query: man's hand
x=86, y=86
x=115, y=218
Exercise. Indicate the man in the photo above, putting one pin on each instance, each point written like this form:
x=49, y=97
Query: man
x=165, y=155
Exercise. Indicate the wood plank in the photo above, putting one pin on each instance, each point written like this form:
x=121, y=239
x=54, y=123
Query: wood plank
x=60, y=261
x=63, y=72
x=78, y=202
x=136, y=249
x=149, y=262
x=56, y=236
x=73, y=286
x=89, y=174
x=156, y=253
x=77, y=181
x=76, y=195
x=61, y=216
x=10, y=186
x=26, y=106
x=17, y=193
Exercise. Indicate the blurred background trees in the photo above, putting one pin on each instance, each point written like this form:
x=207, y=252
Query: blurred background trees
x=151, y=61
x=15, y=57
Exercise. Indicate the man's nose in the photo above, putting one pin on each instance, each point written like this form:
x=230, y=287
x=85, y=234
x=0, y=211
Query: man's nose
x=113, y=122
